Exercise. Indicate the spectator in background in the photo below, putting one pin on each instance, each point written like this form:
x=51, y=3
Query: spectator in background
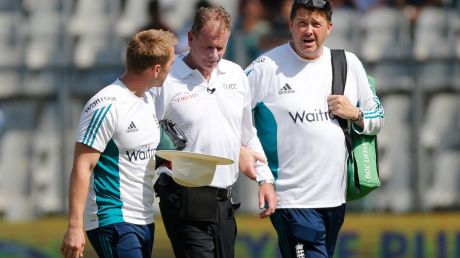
x=155, y=18
x=111, y=192
x=343, y=4
x=364, y=6
x=413, y=8
x=251, y=25
x=280, y=29
x=182, y=43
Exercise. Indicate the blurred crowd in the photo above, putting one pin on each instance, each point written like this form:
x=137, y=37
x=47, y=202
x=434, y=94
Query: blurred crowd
x=56, y=53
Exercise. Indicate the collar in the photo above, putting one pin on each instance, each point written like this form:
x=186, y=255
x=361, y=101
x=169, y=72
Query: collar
x=183, y=70
x=121, y=84
x=303, y=60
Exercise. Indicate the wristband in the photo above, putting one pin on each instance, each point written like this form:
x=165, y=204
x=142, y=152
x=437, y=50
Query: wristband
x=266, y=181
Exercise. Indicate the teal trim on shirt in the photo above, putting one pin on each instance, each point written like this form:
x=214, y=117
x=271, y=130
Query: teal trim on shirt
x=95, y=124
x=107, y=186
x=267, y=131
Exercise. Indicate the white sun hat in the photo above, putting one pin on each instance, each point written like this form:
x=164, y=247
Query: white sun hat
x=192, y=169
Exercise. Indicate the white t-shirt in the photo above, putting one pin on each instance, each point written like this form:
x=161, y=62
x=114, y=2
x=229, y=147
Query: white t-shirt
x=215, y=116
x=304, y=143
x=124, y=128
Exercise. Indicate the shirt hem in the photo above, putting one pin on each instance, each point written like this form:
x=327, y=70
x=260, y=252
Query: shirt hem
x=92, y=226
x=330, y=204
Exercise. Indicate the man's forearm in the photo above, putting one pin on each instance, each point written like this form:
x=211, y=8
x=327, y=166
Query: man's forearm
x=79, y=183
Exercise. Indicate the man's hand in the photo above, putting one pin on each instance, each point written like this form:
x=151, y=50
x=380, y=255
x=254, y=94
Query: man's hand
x=73, y=243
x=247, y=161
x=340, y=106
x=267, y=196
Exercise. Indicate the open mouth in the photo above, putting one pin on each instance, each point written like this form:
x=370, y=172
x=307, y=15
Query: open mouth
x=308, y=41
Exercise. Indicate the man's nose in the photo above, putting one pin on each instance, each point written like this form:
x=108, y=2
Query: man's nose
x=212, y=53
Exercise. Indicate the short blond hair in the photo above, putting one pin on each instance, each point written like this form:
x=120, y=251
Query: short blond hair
x=147, y=48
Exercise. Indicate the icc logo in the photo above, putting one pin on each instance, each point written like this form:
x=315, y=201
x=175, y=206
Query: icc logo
x=230, y=86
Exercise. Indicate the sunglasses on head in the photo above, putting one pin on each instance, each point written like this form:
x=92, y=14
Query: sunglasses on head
x=315, y=3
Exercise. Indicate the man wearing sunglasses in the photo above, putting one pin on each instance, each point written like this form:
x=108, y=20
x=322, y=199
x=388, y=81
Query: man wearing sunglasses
x=296, y=119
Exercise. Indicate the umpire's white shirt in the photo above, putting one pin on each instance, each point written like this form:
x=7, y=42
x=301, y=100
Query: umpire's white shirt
x=215, y=115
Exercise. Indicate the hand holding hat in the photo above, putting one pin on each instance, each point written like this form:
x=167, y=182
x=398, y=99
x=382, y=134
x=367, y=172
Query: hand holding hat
x=192, y=169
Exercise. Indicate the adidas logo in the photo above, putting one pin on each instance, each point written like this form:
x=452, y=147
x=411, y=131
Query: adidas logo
x=132, y=128
x=286, y=89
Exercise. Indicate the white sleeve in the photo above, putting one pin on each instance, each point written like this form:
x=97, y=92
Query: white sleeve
x=368, y=101
x=256, y=80
x=97, y=125
x=249, y=137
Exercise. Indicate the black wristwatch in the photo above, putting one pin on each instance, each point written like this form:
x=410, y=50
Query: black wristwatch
x=360, y=116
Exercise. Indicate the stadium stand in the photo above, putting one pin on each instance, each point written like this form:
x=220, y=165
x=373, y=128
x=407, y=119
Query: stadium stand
x=91, y=30
x=443, y=193
x=133, y=17
x=434, y=53
x=45, y=160
x=385, y=44
x=14, y=160
x=10, y=49
x=43, y=29
x=8, y=38
x=433, y=48
x=394, y=156
x=385, y=34
x=436, y=137
x=454, y=22
x=432, y=27
x=44, y=39
x=344, y=35
x=56, y=53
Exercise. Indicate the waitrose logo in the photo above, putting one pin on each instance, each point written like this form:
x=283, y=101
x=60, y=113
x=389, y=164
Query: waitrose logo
x=315, y=116
x=138, y=155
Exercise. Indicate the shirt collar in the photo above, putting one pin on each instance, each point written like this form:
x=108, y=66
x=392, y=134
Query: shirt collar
x=183, y=70
x=303, y=60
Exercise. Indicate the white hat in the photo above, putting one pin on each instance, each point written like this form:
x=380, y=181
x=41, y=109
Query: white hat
x=192, y=169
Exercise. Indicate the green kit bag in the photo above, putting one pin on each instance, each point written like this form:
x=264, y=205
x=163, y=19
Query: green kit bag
x=362, y=169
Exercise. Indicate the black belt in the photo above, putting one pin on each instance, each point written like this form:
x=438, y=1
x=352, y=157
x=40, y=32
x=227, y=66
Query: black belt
x=166, y=182
x=224, y=193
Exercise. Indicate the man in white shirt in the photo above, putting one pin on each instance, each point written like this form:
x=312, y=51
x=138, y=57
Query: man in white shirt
x=208, y=98
x=111, y=192
x=295, y=116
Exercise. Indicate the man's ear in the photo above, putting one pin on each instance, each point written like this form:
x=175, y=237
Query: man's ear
x=190, y=38
x=329, y=27
x=156, y=69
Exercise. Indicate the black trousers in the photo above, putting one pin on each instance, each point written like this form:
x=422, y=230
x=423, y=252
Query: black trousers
x=209, y=236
